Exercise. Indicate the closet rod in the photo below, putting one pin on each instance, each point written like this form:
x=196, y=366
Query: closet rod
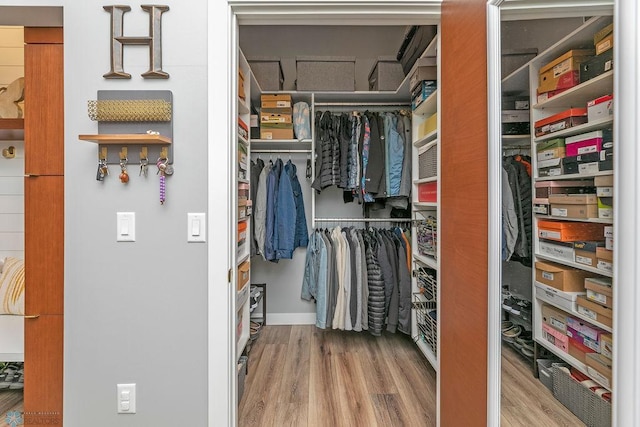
x=363, y=220
x=273, y=150
x=362, y=104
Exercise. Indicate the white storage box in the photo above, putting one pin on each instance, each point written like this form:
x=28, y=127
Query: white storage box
x=557, y=250
x=268, y=72
x=326, y=73
x=563, y=300
x=386, y=74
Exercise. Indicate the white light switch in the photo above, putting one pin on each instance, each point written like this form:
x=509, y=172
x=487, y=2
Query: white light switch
x=126, y=398
x=196, y=227
x=126, y=226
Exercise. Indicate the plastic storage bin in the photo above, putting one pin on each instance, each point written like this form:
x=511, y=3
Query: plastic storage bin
x=545, y=373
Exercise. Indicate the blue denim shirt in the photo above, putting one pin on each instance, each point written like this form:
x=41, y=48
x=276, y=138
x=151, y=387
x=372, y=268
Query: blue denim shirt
x=285, y=221
x=301, y=234
x=314, y=281
x=395, y=155
x=273, y=180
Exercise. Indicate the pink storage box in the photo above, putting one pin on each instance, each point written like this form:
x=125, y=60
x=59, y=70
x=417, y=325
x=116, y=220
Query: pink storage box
x=582, y=339
x=590, y=142
x=555, y=337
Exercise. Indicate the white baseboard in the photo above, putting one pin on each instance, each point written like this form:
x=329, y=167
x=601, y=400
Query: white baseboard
x=291, y=318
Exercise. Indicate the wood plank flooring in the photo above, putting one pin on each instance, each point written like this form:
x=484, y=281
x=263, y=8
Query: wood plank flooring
x=303, y=376
x=10, y=400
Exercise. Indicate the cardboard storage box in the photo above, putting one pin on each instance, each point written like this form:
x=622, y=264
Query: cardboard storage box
x=544, y=189
x=563, y=278
x=564, y=300
x=266, y=117
x=597, y=37
x=585, y=252
x=275, y=100
x=596, y=66
x=599, y=291
x=600, y=108
x=590, y=142
x=603, y=181
x=604, y=44
x=563, y=120
x=579, y=351
x=243, y=274
x=604, y=191
x=545, y=96
x=586, y=330
x=555, y=317
x=555, y=337
x=552, y=153
x=551, y=167
x=574, y=199
x=428, y=192
x=570, y=61
x=600, y=369
x=560, y=250
x=269, y=133
x=426, y=69
x=595, y=312
x=565, y=231
x=512, y=59
x=574, y=211
x=424, y=90
x=241, y=92
x=582, y=339
x=608, y=230
x=326, y=73
x=562, y=82
x=605, y=207
x=386, y=74
x=606, y=345
x=515, y=103
x=515, y=122
x=268, y=72
x=605, y=259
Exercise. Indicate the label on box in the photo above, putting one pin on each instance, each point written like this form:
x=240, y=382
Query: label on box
x=547, y=154
x=606, y=349
x=593, y=345
x=546, y=234
x=557, y=324
x=558, y=212
x=608, y=243
x=596, y=297
x=562, y=68
x=588, y=168
x=605, y=265
x=606, y=213
x=586, y=312
x=604, y=191
x=541, y=209
x=583, y=260
x=588, y=149
x=547, y=275
x=554, y=127
x=522, y=105
x=608, y=231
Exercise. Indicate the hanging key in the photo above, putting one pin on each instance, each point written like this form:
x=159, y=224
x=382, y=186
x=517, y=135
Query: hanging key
x=124, y=175
x=99, y=173
x=168, y=170
x=162, y=166
x=144, y=167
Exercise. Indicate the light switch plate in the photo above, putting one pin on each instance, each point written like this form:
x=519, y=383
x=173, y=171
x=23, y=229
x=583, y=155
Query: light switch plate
x=126, y=398
x=196, y=227
x=126, y=226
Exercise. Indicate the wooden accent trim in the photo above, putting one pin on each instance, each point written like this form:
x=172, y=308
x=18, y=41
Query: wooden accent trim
x=44, y=105
x=44, y=263
x=464, y=229
x=43, y=366
x=11, y=124
x=43, y=35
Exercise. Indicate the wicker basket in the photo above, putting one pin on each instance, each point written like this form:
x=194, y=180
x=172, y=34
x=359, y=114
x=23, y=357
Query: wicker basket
x=426, y=316
x=428, y=161
x=585, y=404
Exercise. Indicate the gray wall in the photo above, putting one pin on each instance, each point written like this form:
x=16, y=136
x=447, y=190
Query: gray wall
x=287, y=42
x=135, y=312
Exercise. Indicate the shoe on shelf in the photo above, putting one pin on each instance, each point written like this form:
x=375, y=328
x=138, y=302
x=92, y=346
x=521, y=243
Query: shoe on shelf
x=506, y=324
x=512, y=333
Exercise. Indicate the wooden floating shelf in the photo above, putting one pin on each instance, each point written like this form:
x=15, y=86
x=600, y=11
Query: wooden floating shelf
x=12, y=124
x=126, y=138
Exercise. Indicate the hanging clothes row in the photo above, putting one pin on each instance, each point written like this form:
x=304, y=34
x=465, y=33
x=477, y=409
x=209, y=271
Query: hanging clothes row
x=279, y=221
x=359, y=279
x=368, y=154
x=517, y=220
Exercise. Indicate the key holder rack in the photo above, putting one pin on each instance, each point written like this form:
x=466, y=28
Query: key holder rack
x=136, y=121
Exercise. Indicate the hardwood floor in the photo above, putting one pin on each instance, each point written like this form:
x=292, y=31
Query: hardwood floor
x=10, y=400
x=525, y=400
x=303, y=376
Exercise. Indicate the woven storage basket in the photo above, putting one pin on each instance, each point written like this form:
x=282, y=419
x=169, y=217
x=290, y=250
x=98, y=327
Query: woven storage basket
x=585, y=404
x=428, y=161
